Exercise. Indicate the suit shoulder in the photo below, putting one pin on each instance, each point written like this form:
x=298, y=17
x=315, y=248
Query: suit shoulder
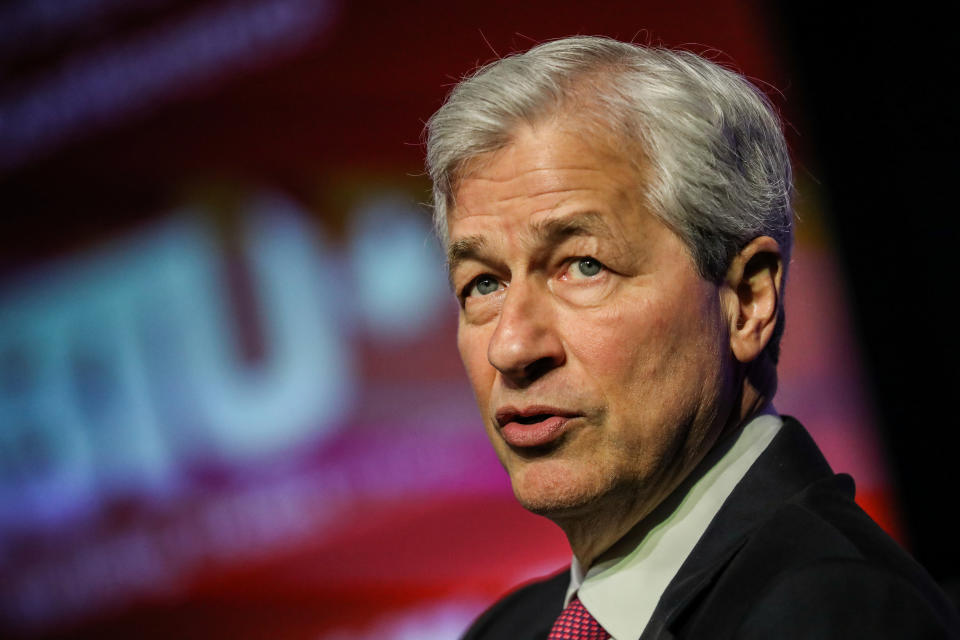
x=824, y=523
x=846, y=598
x=825, y=566
x=527, y=612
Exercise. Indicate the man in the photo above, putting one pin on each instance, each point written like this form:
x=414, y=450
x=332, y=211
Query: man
x=618, y=224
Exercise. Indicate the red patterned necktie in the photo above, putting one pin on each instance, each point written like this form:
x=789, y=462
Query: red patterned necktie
x=576, y=623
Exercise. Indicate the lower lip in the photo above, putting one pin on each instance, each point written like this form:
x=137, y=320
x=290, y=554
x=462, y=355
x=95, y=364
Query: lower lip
x=534, y=435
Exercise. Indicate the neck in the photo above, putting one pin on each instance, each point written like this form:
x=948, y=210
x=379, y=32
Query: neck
x=757, y=388
x=593, y=536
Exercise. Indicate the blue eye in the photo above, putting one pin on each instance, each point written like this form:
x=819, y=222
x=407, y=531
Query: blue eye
x=588, y=267
x=483, y=285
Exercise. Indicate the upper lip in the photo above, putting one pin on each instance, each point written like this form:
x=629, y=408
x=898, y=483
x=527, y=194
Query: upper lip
x=506, y=415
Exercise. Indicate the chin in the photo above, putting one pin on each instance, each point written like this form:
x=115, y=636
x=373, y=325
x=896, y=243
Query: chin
x=555, y=490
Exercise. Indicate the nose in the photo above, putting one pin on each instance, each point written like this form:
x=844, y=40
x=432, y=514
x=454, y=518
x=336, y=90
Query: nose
x=526, y=343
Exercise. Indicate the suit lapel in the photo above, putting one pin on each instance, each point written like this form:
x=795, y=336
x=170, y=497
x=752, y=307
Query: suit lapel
x=791, y=462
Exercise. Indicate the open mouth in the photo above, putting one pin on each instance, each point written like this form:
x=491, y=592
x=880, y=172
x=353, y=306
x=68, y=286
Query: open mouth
x=539, y=417
x=533, y=430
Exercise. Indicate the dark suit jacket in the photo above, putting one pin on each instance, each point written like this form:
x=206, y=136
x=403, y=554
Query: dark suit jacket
x=789, y=555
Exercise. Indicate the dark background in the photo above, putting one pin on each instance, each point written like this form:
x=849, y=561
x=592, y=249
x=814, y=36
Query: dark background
x=878, y=93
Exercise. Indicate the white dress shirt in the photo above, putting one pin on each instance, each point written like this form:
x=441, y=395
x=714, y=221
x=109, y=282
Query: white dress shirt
x=622, y=592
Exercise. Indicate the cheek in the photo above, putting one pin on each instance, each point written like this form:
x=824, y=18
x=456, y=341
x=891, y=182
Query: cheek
x=472, y=344
x=622, y=342
x=653, y=350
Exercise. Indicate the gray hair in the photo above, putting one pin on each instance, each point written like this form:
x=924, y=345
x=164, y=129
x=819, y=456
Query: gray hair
x=717, y=166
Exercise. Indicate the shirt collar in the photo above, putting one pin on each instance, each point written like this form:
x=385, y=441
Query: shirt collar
x=622, y=592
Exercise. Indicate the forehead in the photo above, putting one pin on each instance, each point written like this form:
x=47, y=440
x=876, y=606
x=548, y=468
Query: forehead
x=547, y=170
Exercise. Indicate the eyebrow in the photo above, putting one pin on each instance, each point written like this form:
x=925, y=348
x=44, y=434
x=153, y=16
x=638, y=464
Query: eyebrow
x=585, y=223
x=547, y=232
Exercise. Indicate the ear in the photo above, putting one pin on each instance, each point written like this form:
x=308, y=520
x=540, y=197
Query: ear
x=754, y=280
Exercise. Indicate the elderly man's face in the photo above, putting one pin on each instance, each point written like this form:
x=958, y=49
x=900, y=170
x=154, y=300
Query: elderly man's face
x=598, y=355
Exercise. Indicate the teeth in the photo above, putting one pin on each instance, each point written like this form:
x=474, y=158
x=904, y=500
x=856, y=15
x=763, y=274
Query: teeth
x=540, y=417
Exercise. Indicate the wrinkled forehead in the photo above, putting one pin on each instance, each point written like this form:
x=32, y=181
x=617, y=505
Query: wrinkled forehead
x=532, y=151
x=587, y=120
x=537, y=173
x=551, y=184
